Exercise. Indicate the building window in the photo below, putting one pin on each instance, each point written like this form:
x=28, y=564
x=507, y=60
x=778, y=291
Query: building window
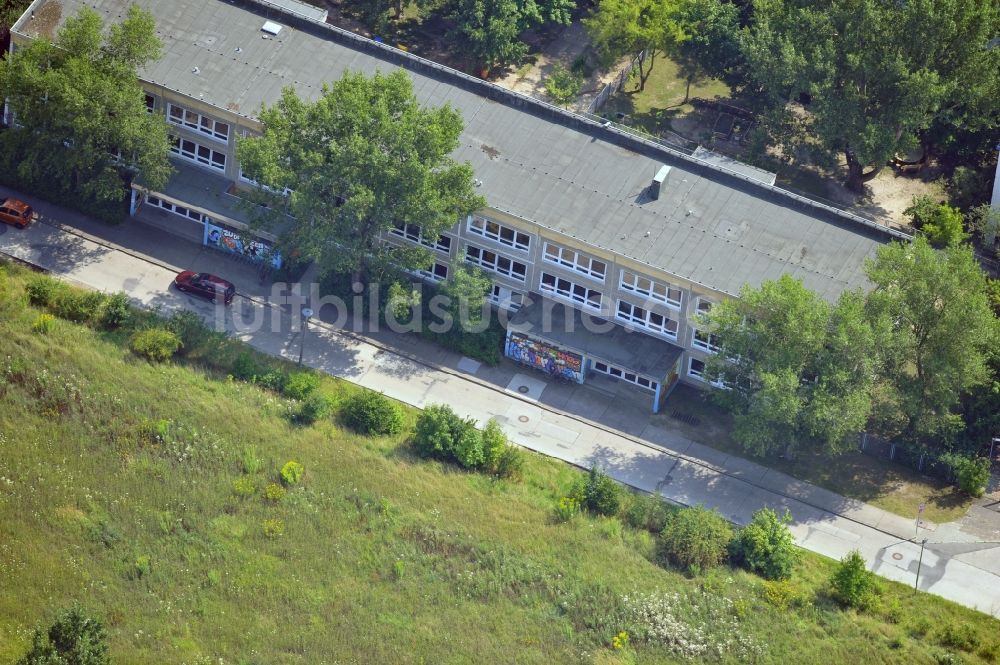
x=176, y=209
x=198, y=153
x=705, y=341
x=646, y=319
x=650, y=288
x=703, y=306
x=506, y=298
x=496, y=262
x=150, y=103
x=696, y=368
x=504, y=235
x=436, y=272
x=179, y=115
x=587, y=297
x=575, y=261
x=623, y=375
x=413, y=233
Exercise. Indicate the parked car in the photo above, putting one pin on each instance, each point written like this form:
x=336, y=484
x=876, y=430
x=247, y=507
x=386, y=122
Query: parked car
x=205, y=285
x=16, y=212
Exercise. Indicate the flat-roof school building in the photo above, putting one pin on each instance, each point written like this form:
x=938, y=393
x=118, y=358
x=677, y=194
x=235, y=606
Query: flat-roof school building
x=635, y=235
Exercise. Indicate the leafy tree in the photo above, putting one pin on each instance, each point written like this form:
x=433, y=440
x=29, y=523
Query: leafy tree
x=878, y=72
x=853, y=584
x=489, y=31
x=82, y=118
x=562, y=85
x=710, y=43
x=936, y=333
x=358, y=160
x=437, y=429
x=796, y=369
x=598, y=493
x=10, y=11
x=465, y=291
x=73, y=639
x=494, y=444
x=765, y=545
x=629, y=27
x=940, y=223
x=694, y=539
x=972, y=473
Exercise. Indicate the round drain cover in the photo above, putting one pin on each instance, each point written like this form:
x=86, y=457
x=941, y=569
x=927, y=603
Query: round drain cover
x=897, y=556
x=523, y=419
x=522, y=389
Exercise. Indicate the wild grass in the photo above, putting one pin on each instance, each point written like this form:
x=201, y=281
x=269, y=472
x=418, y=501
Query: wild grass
x=138, y=490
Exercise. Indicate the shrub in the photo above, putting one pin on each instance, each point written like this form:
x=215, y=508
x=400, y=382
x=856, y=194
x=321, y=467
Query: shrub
x=437, y=429
x=598, y=493
x=155, y=344
x=469, y=448
x=781, y=594
x=272, y=379
x=44, y=324
x=143, y=566
x=191, y=329
x=77, y=306
x=369, y=412
x=971, y=473
x=274, y=492
x=494, y=445
x=292, y=472
x=567, y=509
x=244, y=487
x=563, y=85
x=647, y=511
x=251, y=463
x=42, y=290
x=273, y=528
x=511, y=464
x=940, y=222
x=765, y=545
x=853, y=584
x=299, y=385
x=958, y=636
x=694, y=539
x=72, y=638
x=116, y=312
x=315, y=406
x=245, y=367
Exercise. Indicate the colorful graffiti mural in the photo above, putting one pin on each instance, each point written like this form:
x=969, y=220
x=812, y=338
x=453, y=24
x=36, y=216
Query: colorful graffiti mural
x=231, y=241
x=544, y=357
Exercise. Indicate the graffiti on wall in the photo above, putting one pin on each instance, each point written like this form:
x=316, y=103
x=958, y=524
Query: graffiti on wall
x=540, y=355
x=231, y=241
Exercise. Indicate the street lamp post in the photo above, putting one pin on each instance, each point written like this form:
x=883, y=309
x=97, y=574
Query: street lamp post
x=920, y=562
x=306, y=315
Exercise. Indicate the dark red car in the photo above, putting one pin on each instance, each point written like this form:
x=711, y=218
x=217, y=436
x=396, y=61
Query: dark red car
x=206, y=286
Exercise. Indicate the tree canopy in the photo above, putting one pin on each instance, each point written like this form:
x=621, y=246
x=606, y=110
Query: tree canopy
x=81, y=117
x=358, y=161
x=490, y=30
x=72, y=639
x=629, y=27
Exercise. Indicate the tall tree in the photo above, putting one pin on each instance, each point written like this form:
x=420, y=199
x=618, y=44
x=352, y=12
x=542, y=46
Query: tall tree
x=797, y=371
x=629, y=27
x=359, y=160
x=878, y=72
x=937, y=333
x=490, y=30
x=81, y=117
x=73, y=639
x=710, y=41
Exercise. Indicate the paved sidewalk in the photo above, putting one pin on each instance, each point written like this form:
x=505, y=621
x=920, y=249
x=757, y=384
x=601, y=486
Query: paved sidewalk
x=581, y=425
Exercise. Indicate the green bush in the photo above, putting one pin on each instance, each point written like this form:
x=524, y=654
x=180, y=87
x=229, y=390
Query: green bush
x=42, y=290
x=469, y=448
x=272, y=379
x=244, y=486
x=314, y=407
x=695, y=539
x=273, y=528
x=155, y=344
x=971, y=473
x=292, y=472
x=274, y=492
x=77, y=306
x=598, y=493
x=511, y=466
x=250, y=462
x=646, y=511
x=44, y=324
x=567, y=508
x=765, y=545
x=73, y=638
x=494, y=444
x=437, y=429
x=116, y=312
x=191, y=329
x=246, y=367
x=853, y=584
x=299, y=385
x=958, y=636
x=369, y=412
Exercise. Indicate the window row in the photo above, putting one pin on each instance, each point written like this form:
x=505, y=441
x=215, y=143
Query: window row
x=436, y=272
x=644, y=318
x=179, y=115
x=624, y=375
x=652, y=289
x=705, y=341
x=176, y=209
x=198, y=153
x=506, y=298
x=575, y=261
x=696, y=369
x=504, y=235
x=586, y=296
x=413, y=233
x=496, y=262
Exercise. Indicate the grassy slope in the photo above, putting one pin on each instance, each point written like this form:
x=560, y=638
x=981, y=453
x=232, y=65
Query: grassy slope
x=384, y=558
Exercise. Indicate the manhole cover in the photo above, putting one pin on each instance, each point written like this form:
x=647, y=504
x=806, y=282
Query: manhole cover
x=523, y=389
x=523, y=419
x=897, y=556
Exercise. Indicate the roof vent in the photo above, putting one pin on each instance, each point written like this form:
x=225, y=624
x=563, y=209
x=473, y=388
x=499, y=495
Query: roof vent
x=271, y=28
x=658, y=180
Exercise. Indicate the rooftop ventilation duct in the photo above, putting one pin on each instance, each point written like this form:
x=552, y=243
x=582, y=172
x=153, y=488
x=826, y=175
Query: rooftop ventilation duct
x=658, y=180
x=271, y=28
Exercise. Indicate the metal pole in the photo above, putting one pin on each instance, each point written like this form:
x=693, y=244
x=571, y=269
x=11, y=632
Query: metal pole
x=920, y=562
x=306, y=314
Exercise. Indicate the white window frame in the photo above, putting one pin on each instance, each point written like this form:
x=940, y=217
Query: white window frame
x=657, y=290
x=707, y=344
x=644, y=321
x=624, y=375
x=578, y=293
x=178, y=147
x=437, y=272
x=199, y=123
x=701, y=375
x=513, y=302
x=496, y=265
x=180, y=211
x=414, y=233
x=517, y=239
x=574, y=260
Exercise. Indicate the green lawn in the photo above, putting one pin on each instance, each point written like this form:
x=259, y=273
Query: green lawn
x=381, y=557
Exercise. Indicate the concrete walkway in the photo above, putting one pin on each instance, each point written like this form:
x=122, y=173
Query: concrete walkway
x=581, y=425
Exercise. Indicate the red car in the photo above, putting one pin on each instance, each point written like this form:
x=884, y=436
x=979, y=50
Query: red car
x=16, y=212
x=205, y=285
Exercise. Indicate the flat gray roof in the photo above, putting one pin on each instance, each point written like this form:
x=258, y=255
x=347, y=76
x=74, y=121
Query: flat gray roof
x=595, y=337
x=711, y=226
